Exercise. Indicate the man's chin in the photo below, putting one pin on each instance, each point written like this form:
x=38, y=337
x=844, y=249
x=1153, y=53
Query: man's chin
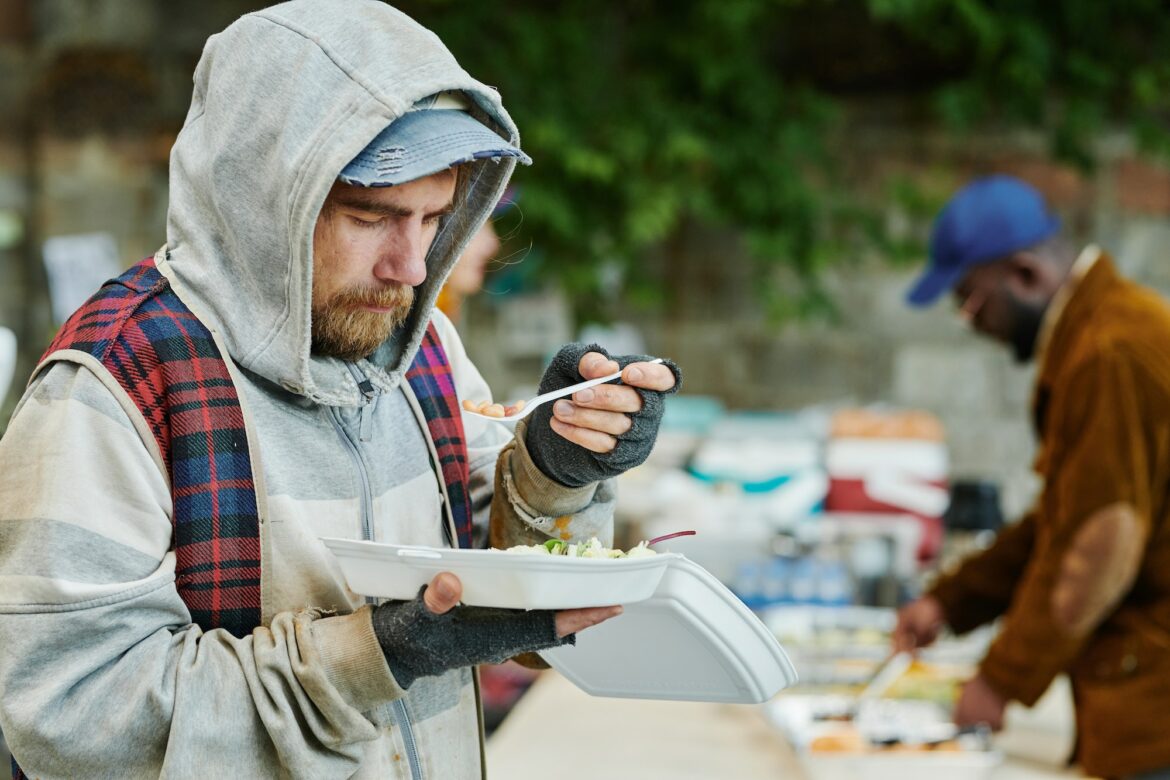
x=1023, y=354
x=352, y=344
x=351, y=329
x=1026, y=334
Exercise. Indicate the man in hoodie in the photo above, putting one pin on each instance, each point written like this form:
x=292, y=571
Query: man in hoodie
x=1082, y=582
x=275, y=375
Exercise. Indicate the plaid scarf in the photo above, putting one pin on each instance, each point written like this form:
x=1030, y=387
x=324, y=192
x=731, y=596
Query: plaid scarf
x=167, y=362
x=169, y=365
x=434, y=387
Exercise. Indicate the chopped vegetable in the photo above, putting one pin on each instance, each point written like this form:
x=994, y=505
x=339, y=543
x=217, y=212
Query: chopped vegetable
x=591, y=549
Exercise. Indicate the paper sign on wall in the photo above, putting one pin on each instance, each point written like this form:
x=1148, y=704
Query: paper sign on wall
x=7, y=360
x=76, y=266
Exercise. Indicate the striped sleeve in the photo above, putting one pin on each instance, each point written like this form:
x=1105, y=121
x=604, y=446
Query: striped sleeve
x=102, y=670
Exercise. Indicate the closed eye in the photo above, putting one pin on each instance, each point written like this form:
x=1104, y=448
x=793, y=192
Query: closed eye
x=367, y=223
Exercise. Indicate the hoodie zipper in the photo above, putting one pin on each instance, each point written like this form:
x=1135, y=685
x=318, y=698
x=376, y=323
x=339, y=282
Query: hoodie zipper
x=369, y=403
x=408, y=743
x=365, y=434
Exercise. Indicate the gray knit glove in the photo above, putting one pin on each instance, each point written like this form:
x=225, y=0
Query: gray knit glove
x=571, y=464
x=419, y=643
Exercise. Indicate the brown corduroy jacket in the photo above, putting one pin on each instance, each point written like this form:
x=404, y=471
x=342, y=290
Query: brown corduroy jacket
x=1083, y=581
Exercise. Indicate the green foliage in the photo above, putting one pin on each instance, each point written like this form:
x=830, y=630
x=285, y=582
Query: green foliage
x=644, y=114
x=1070, y=68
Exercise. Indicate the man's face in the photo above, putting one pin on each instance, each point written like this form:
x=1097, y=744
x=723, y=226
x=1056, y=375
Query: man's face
x=369, y=253
x=998, y=299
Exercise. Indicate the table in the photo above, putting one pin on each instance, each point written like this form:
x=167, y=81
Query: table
x=557, y=730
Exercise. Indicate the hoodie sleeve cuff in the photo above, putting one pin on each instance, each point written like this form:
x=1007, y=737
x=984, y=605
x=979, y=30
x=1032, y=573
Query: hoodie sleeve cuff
x=353, y=659
x=541, y=493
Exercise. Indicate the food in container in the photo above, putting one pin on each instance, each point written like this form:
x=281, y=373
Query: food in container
x=495, y=578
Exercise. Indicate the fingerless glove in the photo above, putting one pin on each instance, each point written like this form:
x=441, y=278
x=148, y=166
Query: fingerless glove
x=571, y=464
x=419, y=643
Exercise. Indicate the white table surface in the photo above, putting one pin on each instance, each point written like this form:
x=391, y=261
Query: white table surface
x=557, y=730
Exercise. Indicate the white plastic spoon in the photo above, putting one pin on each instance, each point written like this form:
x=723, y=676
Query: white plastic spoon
x=544, y=398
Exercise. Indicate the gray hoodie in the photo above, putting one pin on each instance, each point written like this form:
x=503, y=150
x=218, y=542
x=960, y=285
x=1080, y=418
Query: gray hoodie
x=102, y=673
x=264, y=141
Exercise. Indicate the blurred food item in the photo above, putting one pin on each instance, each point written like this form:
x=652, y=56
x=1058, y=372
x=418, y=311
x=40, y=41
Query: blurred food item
x=875, y=424
x=849, y=739
x=591, y=549
x=924, y=681
x=489, y=409
x=844, y=740
x=885, y=675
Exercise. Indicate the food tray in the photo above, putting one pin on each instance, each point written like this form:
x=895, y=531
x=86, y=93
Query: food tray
x=495, y=578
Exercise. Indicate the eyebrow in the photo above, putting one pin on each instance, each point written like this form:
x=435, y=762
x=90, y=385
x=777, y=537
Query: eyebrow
x=358, y=201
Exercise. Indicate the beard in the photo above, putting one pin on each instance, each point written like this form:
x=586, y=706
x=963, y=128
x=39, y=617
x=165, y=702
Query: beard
x=343, y=328
x=1026, y=322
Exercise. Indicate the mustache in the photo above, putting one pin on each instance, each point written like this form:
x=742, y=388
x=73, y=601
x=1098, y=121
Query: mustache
x=392, y=297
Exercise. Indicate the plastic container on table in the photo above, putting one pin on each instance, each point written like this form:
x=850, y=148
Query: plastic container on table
x=799, y=718
x=497, y=578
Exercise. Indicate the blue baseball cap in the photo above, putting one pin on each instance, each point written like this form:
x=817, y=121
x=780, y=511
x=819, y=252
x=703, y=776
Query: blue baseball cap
x=986, y=220
x=437, y=133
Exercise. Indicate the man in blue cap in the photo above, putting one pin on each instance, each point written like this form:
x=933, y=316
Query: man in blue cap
x=999, y=250
x=1082, y=582
x=275, y=374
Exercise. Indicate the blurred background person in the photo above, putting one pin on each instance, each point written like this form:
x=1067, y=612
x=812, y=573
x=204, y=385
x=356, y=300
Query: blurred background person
x=467, y=277
x=1083, y=581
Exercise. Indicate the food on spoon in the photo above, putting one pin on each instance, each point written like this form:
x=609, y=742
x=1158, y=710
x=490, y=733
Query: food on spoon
x=591, y=549
x=489, y=409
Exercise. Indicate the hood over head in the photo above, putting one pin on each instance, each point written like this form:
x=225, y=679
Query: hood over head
x=285, y=98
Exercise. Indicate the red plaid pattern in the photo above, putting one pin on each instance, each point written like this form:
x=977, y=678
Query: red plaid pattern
x=168, y=363
x=430, y=379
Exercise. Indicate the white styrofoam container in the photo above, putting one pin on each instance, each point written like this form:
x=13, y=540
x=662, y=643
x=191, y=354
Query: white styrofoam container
x=495, y=578
x=692, y=640
x=793, y=715
x=852, y=458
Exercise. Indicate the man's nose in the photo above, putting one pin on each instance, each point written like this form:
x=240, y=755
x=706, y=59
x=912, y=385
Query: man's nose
x=970, y=305
x=404, y=258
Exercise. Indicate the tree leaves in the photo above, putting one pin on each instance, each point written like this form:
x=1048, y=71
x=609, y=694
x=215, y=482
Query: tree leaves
x=644, y=114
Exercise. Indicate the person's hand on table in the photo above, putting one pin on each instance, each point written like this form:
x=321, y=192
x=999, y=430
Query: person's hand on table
x=979, y=703
x=919, y=624
x=601, y=431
